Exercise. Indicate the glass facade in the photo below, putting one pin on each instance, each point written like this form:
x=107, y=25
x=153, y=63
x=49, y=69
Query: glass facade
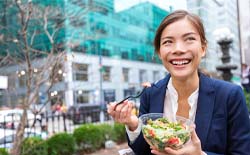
x=123, y=34
x=93, y=27
x=88, y=28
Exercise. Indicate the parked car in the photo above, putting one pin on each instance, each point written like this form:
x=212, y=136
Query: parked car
x=7, y=137
x=84, y=113
x=11, y=118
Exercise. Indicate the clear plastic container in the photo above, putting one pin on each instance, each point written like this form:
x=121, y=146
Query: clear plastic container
x=159, y=132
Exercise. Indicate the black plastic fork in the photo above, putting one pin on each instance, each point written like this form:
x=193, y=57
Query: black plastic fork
x=130, y=97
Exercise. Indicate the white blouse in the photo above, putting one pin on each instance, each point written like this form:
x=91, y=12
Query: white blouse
x=170, y=108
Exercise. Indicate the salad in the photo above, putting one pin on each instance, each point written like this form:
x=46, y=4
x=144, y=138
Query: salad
x=161, y=133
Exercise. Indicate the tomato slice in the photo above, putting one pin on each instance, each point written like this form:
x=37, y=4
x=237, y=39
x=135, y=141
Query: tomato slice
x=173, y=141
x=151, y=133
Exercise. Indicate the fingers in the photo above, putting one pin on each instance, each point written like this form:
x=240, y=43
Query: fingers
x=158, y=153
x=195, y=139
x=122, y=112
x=175, y=152
x=117, y=112
x=126, y=111
x=146, y=84
x=110, y=107
x=187, y=150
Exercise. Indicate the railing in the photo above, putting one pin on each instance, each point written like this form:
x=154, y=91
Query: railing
x=49, y=123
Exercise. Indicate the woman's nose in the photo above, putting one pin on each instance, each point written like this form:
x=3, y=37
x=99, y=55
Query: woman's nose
x=179, y=47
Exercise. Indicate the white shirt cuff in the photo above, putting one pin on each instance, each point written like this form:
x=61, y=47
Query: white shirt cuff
x=204, y=153
x=132, y=135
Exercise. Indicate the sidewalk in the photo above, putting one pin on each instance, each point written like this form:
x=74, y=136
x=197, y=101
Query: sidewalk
x=113, y=151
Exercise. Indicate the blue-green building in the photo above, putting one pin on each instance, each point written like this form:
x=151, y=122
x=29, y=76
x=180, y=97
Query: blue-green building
x=94, y=36
x=127, y=34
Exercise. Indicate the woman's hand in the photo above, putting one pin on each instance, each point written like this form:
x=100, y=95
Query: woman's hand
x=122, y=113
x=193, y=147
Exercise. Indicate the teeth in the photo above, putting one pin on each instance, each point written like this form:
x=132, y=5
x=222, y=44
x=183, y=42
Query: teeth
x=182, y=62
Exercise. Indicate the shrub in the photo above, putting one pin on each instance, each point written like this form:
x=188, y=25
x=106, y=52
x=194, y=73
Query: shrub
x=120, y=132
x=247, y=96
x=3, y=151
x=61, y=144
x=88, y=138
x=34, y=146
x=108, y=132
x=115, y=132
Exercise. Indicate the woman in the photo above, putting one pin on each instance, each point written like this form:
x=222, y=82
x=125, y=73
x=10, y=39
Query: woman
x=217, y=107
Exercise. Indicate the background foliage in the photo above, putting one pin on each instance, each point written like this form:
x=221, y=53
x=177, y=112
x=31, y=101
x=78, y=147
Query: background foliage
x=247, y=96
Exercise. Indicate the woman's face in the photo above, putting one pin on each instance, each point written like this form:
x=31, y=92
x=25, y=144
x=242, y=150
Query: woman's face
x=181, y=49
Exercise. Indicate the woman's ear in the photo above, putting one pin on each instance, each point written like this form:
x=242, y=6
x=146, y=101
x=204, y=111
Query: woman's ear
x=158, y=54
x=204, y=50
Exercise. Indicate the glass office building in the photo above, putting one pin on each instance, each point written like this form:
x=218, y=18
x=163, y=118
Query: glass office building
x=109, y=53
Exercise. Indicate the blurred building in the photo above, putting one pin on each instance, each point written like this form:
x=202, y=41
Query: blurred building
x=244, y=10
x=218, y=14
x=203, y=9
x=109, y=53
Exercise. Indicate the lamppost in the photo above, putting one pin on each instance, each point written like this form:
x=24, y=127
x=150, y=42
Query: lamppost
x=224, y=38
x=101, y=89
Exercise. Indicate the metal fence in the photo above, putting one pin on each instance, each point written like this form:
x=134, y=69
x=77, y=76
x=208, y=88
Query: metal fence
x=49, y=123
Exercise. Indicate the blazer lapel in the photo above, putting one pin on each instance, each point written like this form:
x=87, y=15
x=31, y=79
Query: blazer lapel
x=159, y=95
x=205, y=104
x=205, y=107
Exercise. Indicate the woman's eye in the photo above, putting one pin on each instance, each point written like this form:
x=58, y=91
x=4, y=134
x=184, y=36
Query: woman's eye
x=167, y=42
x=190, y=39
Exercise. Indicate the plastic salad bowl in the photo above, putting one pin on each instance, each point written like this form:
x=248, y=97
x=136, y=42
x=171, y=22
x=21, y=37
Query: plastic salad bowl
x=159, y=132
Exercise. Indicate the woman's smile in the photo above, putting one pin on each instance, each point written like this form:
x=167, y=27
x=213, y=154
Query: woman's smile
x=180, y=62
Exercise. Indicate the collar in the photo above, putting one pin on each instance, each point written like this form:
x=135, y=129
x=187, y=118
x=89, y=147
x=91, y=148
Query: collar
x=192, y=99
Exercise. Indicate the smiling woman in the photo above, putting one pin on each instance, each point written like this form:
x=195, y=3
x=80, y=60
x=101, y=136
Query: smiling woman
x=217, y=108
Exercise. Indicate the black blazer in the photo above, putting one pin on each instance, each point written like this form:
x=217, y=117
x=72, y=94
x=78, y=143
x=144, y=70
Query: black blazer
x=222, y=119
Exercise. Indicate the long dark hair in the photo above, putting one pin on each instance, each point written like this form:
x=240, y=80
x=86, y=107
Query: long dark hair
x=176, y=16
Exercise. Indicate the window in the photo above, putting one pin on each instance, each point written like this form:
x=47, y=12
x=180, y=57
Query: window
x=109, y=95
x=124, y=55
x=20, y=100
x=22, y=80
x=81, y=96
x=106, y=74
x=149, y=56
x=76, y=22
x=142, y=76
x=1, y=98
x=80, y=48
x=80, y=72
x=125, y=74
x=12, y=80
x=57, y=98
x=156, y=75
x=140, y=57
x=134, y=54
x=105, y=52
